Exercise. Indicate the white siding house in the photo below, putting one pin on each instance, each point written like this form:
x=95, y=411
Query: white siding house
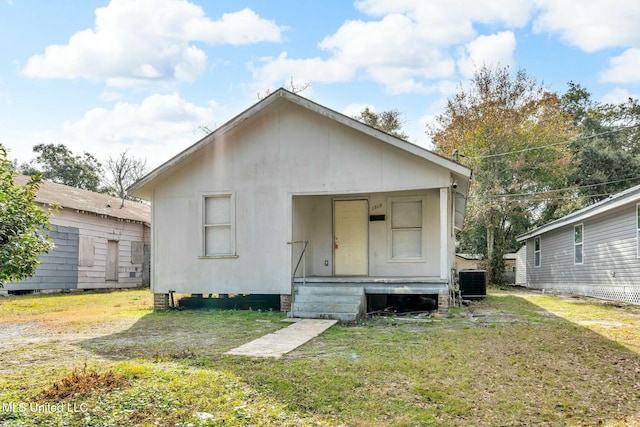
x=232, y=213
x=98, y=242
x=594, y=251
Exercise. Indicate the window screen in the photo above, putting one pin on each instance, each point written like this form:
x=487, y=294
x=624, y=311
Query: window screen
x=406, y=229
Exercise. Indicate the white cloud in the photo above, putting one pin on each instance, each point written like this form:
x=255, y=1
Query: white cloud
x=591, y=25
x=623, y=68
x=446, y=15
x=157, y=128
x=280, y=69
x=618, y=96
x=495, y=49
x=353, y=110
x=147, y=42
x=108, y=96
x=407, y=45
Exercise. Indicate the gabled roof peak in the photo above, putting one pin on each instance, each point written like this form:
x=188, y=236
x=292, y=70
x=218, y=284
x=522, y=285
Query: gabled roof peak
x=286, y=95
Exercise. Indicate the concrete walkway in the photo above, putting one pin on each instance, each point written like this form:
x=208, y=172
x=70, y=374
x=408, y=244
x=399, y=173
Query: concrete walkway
x=284, y=340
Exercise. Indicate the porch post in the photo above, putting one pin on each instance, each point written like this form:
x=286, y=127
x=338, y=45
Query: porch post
x=444, y=233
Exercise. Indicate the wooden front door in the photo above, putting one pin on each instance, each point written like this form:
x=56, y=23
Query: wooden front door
x=112, y=261
x=351, y=237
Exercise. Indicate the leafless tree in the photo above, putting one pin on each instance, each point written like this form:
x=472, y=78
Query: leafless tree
x=290, y=86
x=123, y=171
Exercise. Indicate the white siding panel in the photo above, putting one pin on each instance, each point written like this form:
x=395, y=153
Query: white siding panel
x=611, y=267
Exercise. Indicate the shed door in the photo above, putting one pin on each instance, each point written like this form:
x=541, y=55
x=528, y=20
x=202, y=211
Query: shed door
x=351, y=237
x=112, y=260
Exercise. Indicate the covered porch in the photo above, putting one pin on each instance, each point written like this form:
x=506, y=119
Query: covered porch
x=351, y=250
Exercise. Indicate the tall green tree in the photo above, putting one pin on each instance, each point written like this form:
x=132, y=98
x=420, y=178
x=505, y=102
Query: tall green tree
x=606, y=154
x=387, y=121
x=507, y=128
x=59, y=164
x=23, y=225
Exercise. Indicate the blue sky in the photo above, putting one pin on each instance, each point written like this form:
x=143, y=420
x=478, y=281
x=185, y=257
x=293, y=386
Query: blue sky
x=107, y=76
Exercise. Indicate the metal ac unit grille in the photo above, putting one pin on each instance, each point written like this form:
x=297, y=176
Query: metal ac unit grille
x=473, y=283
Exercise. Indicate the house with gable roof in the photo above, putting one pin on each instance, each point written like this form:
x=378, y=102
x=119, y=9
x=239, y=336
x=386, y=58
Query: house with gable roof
x=294, y=199
x=594, y=251
x=100, y=241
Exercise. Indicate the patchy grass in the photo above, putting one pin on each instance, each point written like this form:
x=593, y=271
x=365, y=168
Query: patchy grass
x=515, y=358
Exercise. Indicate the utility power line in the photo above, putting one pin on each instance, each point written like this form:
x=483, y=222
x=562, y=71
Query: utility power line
x=581, y=138
x=559, y=190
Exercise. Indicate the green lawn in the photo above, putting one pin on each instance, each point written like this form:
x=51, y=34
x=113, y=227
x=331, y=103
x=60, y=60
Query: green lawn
x=516, y=358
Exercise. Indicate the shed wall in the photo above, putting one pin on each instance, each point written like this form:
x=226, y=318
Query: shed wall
x=521, y=266
x=79, y=259
x=58, y=269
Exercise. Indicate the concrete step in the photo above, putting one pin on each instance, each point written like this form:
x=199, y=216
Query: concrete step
x=345, y=303
x=326, y=307
x=329, y=290
x=326, y=298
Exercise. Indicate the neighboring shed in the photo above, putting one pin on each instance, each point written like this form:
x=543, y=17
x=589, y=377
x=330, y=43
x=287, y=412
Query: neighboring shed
x=521, y=266
x=509, y=267
x=232, y=213
x=467, y=261
x=594, y=251
x=473, y=262
x=100, y=243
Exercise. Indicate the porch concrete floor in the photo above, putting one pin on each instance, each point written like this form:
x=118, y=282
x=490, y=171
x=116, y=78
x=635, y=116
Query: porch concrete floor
x=285, y=340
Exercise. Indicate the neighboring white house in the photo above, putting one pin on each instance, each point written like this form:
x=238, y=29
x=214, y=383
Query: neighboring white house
x=99, y=242
x=231, y=213
x=594, y=251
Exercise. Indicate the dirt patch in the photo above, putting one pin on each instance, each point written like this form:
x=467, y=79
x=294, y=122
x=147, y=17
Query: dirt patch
x=47, y=343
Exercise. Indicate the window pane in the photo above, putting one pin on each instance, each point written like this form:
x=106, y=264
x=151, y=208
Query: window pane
x=578, y=254
x=578, y=234
x=217, y=210
x=536, y=243
x=638, y=216
x=406, y=243
x=536, y=259
x=218, y=240
x=406, y=214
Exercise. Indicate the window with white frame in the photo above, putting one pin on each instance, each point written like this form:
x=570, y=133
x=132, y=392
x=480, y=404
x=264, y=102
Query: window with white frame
x=536, y=252
x=578, y=238
x=218, y=225
x=406, y=229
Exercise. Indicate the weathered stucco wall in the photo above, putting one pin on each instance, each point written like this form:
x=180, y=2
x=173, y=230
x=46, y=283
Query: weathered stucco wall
x=263, y=163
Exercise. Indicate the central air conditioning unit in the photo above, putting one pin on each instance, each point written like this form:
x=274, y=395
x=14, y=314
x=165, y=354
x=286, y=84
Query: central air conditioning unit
x=473, y=284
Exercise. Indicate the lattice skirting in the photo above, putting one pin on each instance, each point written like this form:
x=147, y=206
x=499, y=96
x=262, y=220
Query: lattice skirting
x=630, y=294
